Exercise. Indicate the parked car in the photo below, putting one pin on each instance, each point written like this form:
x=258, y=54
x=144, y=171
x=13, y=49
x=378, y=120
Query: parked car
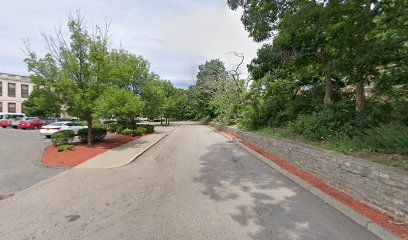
x=6, y=119
x=51, y=128
x=4, y=123
x=16, y=121
x=30, y=123
x=5, y=116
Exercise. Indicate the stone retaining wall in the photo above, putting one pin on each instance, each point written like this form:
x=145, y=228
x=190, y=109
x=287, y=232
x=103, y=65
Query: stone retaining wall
x=383, y=187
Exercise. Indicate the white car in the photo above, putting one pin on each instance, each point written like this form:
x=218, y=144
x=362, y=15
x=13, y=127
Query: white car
x=49, y=129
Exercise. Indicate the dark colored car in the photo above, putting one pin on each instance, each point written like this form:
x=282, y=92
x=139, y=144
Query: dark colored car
x=33, y=123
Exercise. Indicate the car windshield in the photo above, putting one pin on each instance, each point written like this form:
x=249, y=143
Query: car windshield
x=56, y=124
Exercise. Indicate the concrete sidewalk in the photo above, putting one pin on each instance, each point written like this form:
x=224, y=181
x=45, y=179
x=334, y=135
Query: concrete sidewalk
x=126, y=153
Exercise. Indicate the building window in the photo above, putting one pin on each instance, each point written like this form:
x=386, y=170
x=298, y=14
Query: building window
x=1, y=89
x=11, y=107
x=1, y=106
x=24, y=91
x=11, y=89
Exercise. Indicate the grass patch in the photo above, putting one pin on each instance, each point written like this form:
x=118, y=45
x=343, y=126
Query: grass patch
x=399, y=162
x=279, y=132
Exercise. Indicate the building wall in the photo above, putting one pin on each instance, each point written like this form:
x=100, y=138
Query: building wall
x=18, y=99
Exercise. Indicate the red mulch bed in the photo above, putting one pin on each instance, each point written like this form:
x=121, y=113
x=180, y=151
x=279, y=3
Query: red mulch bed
x=374, y=215
x=82, y=152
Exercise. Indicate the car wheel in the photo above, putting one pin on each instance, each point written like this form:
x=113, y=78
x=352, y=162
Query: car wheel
x=4, y=127
x=35, y=127
x=48, y=136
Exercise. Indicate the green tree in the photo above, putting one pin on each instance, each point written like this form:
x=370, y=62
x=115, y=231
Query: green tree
x=42, y=103
x=153, y=95
x=119, y=104
x=81, y=64
x=129, y=71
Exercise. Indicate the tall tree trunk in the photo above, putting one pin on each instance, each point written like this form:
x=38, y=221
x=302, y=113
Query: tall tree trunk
x=329, y=89
x=327, y=78
x=90, y=135
x=360, y=91
x=360, y=96
x=161, y=120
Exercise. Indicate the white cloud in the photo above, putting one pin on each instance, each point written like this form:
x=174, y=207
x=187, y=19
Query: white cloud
x=175, y=36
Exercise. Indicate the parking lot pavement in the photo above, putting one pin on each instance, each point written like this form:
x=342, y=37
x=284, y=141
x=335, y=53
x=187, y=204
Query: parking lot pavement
x=20, y=154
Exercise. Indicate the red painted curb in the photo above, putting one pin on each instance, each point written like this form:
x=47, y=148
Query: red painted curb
x=82, y=152
x=371, y=213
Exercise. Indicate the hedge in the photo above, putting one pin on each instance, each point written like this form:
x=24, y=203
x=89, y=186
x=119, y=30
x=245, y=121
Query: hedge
x=62, y=137
x=98, y=134
x=126, y=132
x=139, y=131
x=65, y=147
x=149, y=128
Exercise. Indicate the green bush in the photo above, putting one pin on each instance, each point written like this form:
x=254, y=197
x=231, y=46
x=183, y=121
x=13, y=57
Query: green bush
x=65, y=147
x=97, y=133
x=308, y=126
x=99, y=125
x=386, y=138
x=150, y=128
x=118, y=128
x=62, y=137
x=126, y=132
x=111, y=127
x=139, y=131
x=206, y=120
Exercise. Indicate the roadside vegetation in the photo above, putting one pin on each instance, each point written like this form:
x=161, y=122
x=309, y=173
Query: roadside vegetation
x=84, y=77
x=330, y=73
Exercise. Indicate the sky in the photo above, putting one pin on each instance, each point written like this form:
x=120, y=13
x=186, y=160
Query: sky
x=175, y=36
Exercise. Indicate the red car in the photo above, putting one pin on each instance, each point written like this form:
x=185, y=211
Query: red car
x=33, y=123
x=5, y=123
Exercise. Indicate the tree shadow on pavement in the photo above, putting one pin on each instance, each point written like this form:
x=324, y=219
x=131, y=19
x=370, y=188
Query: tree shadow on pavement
x=265, y=203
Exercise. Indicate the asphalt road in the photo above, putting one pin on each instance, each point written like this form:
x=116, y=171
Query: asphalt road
x=20, y=153
x=194, y=184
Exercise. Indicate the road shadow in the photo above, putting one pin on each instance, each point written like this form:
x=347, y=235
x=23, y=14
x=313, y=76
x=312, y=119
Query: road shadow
x=265, y=203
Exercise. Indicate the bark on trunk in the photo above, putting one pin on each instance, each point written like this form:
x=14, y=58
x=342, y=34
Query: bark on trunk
x=360, y=96
x=90, y=135
x=161, y=120
x=327, y=78
x=329, y=89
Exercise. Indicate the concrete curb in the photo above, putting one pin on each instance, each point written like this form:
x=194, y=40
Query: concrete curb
x=141, y=152
x=366, y=223
x=124, y=163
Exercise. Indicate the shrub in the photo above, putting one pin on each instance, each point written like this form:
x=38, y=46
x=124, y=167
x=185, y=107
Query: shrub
x=149, y=128
x=307, y=126
x=65, y=147
x=126, y=131
x=99, y=125
x=97, y=133
x=139, y=131
x=386, y=138
x=111, y=127
x=118, y=128
x=206, y=120
x=62, y=137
